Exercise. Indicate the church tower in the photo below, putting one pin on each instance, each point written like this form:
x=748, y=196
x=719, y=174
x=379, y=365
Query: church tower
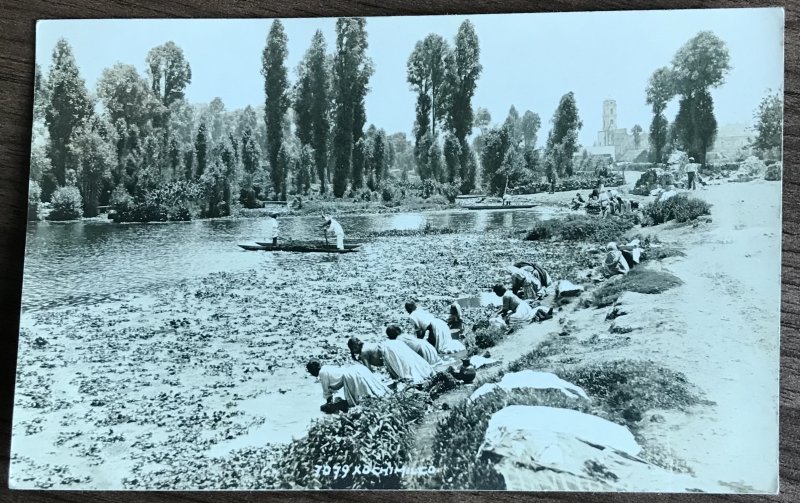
x=609, y=120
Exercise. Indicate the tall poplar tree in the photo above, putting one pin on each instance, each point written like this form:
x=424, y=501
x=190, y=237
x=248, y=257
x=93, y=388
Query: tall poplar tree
x=276, y=85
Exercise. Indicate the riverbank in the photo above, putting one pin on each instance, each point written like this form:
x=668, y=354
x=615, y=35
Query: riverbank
x=201, y=362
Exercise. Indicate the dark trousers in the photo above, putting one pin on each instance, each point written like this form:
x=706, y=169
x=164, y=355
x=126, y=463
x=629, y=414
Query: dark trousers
x=274, y=241
x=691, y=185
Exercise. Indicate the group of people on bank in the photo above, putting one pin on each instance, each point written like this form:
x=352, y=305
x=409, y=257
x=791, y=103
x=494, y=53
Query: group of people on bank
x=413, y=358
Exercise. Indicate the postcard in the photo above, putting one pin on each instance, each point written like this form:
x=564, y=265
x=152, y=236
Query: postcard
x=535, y=251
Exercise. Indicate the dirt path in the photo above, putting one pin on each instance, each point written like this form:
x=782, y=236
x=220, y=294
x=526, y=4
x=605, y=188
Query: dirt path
x=720, y=329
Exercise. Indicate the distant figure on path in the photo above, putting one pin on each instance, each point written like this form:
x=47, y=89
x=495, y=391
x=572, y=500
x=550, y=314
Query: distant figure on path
x=335, y=228
x=691, y=172
x=272, y=228
x=436, y=330
x=356, y=381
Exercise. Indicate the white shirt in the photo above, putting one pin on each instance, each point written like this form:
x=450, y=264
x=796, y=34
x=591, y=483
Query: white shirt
x=332, y=379
x=691, y=167
x=272, y=228
x=336, y=228
x=421, y=318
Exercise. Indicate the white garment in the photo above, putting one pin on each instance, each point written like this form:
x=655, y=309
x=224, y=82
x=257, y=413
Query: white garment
x=336, y=228
x=522, y=311
x=445, y=343
x=272, y=228
x=403, y=363
x=422, y=348
x=356, y=380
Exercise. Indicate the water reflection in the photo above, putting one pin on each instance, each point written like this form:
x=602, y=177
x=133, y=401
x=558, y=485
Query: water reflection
x=86, y=262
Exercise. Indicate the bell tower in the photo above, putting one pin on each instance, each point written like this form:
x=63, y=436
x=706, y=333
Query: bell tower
x=609, y=121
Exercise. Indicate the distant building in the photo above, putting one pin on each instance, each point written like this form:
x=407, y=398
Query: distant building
x=731, y=143
x=626, y=146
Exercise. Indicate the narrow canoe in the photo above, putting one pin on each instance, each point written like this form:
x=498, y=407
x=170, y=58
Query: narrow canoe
x=500, y=206
x=297, y=249
x=297, y=244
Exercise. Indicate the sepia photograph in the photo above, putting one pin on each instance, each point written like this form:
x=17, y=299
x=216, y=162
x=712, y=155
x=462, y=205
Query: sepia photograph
x=524, y=252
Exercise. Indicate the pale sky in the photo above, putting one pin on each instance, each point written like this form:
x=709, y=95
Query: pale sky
x=529, y=60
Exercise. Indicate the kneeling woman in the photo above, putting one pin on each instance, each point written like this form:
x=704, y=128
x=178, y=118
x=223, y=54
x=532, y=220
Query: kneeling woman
x=400, y=361
x=435, y=330
x=356, y=381
x=420, y=346
x=517, y=312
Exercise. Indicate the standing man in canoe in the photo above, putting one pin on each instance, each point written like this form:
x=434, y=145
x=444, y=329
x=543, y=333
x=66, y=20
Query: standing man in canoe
x=335, y=228
x=272, y=228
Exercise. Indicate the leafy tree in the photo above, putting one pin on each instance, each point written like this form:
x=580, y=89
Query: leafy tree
x=427, y=69
x=435, y=162
x=95, y=157
x=495, y=147
x=469, y=171
x=169, y=72
x=769, y=126
x=562, y=141
x=215, y=118
x=700, y=65
x=464, y=68
x=514, y=125
x=201, y=151
x=311, y=101
x=351, y=72
x=378, y=158
x=66, y=204
x=281, y=171
x=452, y=157
x=637, y=135
x=40, y=164
x=304, y=169
x=69, y=105
x=660, y=90
x=276, y=86
x=422, y=135
x=482, y=119
x=529, y=126
x=359, y=156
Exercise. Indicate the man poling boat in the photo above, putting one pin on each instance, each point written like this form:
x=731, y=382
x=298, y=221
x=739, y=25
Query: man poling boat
x=272, y=228
x=334, y=228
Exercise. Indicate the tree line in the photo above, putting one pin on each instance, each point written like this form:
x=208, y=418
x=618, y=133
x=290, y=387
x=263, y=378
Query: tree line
x=136, y=143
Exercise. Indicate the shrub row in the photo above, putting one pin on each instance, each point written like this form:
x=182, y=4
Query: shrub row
x=577, y=182
x=592, y=228
x=680, y=208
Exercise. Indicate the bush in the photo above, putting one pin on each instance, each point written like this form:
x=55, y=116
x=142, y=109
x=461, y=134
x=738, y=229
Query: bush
x=773, y=173
x=680, y=208
x=34, y=200
x=627, y=388
x=67, y=204
x=460, y=434
x=653, y=179
x=172, y=202
x=378, y=433
x=590, y=228
x=639, y=281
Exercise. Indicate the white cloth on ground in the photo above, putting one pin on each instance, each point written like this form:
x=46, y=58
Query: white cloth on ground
x=403, y=363
x=531, y=379
x=422, y=347
x=356, y=381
